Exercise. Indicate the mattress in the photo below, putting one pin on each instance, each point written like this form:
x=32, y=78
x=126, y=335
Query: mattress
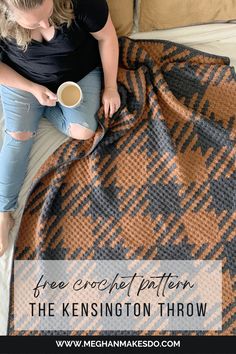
x=214, y=38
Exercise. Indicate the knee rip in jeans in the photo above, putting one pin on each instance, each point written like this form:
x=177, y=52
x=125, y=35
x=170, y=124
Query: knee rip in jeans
x=77, y=131
x=21, y=136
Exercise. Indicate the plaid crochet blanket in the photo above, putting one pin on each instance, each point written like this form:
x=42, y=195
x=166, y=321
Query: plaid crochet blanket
x=158, y=180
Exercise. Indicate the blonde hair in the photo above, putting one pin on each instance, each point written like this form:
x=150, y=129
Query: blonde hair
x=10, y=29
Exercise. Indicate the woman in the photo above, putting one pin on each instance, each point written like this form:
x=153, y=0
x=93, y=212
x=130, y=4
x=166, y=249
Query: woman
x=44, y=43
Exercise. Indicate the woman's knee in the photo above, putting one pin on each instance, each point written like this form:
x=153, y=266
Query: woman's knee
x=77, y=131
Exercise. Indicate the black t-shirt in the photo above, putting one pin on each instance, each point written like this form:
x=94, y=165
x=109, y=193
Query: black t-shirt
x=70, y=55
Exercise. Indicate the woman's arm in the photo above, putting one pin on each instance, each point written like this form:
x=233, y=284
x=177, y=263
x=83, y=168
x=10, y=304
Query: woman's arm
x=109, y=52
x=11, y=78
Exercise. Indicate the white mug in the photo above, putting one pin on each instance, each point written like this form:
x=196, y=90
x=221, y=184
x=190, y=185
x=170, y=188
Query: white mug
x=70, y=100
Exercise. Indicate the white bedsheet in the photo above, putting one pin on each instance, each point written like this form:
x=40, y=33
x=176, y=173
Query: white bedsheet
x=215, y=38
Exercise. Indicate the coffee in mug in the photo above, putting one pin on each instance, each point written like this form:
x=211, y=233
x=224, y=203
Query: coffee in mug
x=69, y=94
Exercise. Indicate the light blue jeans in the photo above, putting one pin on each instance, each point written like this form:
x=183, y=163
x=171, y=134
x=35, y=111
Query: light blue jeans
x=22, y=113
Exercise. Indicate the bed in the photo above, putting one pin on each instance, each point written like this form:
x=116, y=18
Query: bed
x=217, y=39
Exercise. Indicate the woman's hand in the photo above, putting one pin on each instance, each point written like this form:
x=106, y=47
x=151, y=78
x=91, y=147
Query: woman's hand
x=44, y=95
x=111, y=101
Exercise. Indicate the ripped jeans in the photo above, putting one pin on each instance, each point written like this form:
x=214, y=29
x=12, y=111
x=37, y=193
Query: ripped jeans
x=22, y=113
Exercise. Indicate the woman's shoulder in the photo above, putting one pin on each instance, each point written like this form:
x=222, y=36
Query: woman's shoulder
x=92, y=14
x=3, y=43
x=88, y=6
